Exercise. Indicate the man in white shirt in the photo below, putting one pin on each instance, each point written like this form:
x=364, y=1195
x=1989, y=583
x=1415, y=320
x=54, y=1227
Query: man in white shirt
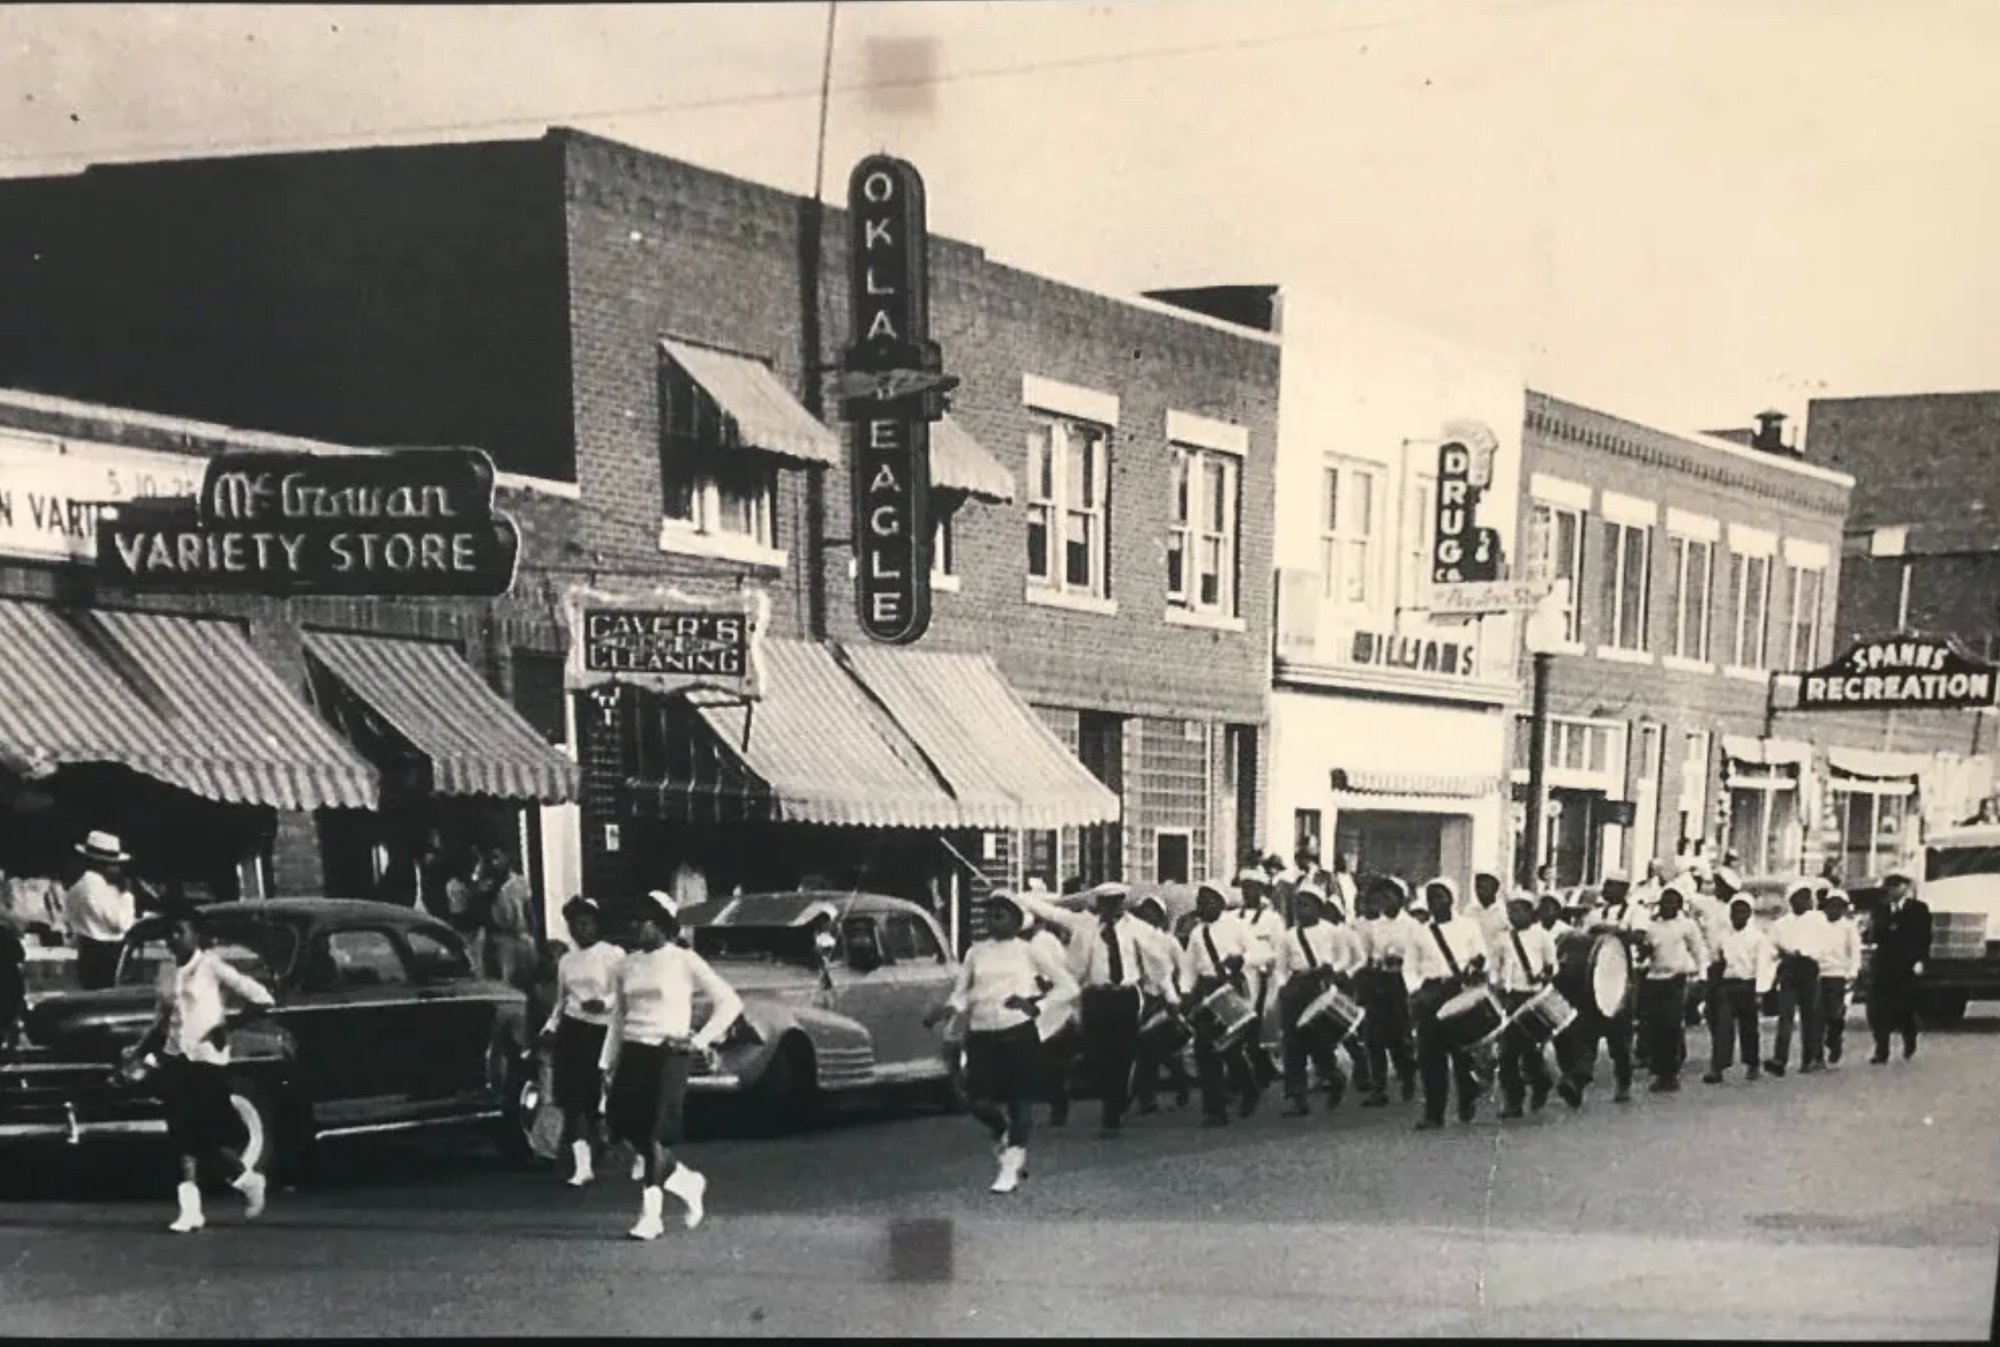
x=1676, y=953
x=1003, y=982
x=1449, y=956
x=1264, y=927
x=1057, y=1024
x=100, y=909
x=1524, y=962
x=1746, y=967
x=190, y=1034
x=1800, y=936
x=1116, y=967
x=1152, y=1061
x=1218, y=955
x=1488, y=910
x=1840, y=964
x=1384, y=990
x=1314, y=956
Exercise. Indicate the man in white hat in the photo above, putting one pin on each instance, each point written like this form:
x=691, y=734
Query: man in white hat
x=1384, y=989
x=1263, y=928
x=1450, y=956
x=1151, y=913
x=1840, y=964
x=1218, y=954
x=100, y=909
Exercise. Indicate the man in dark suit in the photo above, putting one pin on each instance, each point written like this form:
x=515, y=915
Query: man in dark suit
x=1902, y=944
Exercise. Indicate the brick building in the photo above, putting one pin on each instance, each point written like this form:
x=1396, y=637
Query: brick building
x=659, y=336
x=261, y=746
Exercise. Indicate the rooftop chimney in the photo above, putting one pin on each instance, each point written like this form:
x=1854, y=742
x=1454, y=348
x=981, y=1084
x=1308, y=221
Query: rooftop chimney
x=1770, y=436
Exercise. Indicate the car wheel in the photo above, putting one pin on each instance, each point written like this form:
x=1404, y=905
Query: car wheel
x=786, y=1097
x=1946, y=1010
x=521, y=1109
x=951, y=1093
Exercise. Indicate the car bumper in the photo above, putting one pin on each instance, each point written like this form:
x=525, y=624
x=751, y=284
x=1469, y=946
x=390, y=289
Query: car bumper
x=78, y=1131
x=719, y=1082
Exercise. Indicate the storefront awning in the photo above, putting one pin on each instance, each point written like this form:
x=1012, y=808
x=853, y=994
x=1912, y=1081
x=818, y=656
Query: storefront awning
x=828, y=754
x=961, y=463
x=1766, y=752
x=1416, y=784
x=476, y=743
x=1006, y=768
x=194, y=707
x=1876, y=764
x=754, y=403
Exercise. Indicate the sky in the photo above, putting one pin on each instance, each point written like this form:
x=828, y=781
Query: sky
x=1682, y=211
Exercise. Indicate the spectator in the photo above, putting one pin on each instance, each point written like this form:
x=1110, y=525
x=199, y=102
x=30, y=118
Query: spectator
x=100, y=908
x=509, y=954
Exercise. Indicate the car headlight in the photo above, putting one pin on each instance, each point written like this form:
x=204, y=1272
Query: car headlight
x=742, y=1034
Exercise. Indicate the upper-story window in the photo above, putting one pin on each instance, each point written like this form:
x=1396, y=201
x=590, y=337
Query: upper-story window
x=1349, y=541
x=1202, y=532
x=1750, y=607
x=1419, y=533
x=1556, y=543
x=1693, y=564
x=944, y=547
x=1069, y=484
x=1807, y=585
x=1628, y=563
x=722, y=496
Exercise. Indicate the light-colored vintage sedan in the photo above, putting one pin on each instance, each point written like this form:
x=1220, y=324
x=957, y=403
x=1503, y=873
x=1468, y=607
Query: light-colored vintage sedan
x=835, y=988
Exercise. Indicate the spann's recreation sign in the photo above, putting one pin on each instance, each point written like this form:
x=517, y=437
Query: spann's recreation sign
x=1900, y=673
x=401, y=523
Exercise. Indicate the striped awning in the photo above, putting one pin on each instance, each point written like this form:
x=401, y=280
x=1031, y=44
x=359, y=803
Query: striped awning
x=756, y=408
x=476, y=743
x=1876, y=764
x=195, y=708
x=1766, y=752
x=1004, y=766
x=1415, y=784
x=828, y=753
x=961, y=463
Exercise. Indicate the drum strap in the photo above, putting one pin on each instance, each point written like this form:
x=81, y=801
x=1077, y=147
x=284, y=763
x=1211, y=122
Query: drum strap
x=1521, y=953
x=1214, y=959
x=1450, y=959
x=1312, y=959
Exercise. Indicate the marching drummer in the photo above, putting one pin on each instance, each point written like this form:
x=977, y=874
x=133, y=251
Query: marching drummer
x=1152, y=915
x=1314, y=956
x=1524, y=961
x=1264, y=928
x=1615, y=916
x=1488, y=910
x=1217, y=956
x=1385, y=990
x=1449, y=957
x=1355, y=945
x=1676, y=954
x=1748, y=968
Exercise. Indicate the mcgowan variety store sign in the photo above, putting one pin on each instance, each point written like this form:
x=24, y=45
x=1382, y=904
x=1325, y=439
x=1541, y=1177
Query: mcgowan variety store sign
x=403, y=523
x=1900, y=673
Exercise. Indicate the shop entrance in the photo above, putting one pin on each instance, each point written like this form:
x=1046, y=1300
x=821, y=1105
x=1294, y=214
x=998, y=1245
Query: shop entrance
x=1414, y=847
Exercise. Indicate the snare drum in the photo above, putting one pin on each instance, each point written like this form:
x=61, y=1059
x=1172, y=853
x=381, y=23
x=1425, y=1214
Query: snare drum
x=1470, y=1019
x=1611, y=976
x=1333, y=1012
x=1544, y=1015
x=1163, y=1033
x=1223, y=1016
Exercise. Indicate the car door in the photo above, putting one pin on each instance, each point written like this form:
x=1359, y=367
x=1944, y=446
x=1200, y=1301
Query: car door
x=923, y=981
x=454, y=1019
x=865, y=987
x=353, y=1019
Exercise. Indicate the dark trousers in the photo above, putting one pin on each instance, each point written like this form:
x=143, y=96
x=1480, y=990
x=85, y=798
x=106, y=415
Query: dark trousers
x=1111, y=1045
x=1224, y=1071
x=1521, y=1060
x=1309, y=1044
x=1058, y=1064
x=97, y=964
x=1386, y=1031
x=1614, y=1032
x=1833, y=1015
x=1798, y=1001
x=1733, y=1025
x=1152, y=1064
x=1892, y=1009
x=1662, y=1012
x=1438, y=1066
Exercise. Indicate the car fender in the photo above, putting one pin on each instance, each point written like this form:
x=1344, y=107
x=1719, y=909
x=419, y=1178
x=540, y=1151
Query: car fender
x=834, y=1037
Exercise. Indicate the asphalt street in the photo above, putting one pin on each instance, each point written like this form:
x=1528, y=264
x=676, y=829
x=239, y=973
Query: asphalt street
x=1859, y=1204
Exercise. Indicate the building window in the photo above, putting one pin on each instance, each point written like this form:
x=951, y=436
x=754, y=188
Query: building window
x=1201, y=537
x=1808, y=586
x=1578, y=746
x=1068, y=484
x=1173, y=855
x=1694, y=587
x=1750, y=602
x=1347, y=538
x=539, y=694
x=1628, y=554
x=714, y=493
x=1419, y=532
x=944, y=557
x=1557, y=540
x=1305, y=832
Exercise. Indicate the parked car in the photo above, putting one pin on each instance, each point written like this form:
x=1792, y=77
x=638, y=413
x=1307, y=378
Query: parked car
x=824, y=1019
x=381, y=1024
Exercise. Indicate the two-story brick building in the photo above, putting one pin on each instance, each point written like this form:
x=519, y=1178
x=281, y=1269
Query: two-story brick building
x=662, y=337
x=258, y=746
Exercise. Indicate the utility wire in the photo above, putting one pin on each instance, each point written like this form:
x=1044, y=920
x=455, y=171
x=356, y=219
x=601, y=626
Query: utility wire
x=1440, y=13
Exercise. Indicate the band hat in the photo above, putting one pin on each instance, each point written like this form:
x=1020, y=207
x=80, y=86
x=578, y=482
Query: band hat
x=103, y=846
x=1741, y=901
x=1899, y=872
x=657, y=906
x=1440, y=882
x=1001, y=898
x=1725, y=875
x=1110, y=891
x=580, y=906
x=1250, y=874
x=1837, y=896
x=1618, y=877
x=1151, y=902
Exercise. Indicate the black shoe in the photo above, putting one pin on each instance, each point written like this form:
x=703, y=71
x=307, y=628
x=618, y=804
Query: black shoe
x=1755, y=1072
x=1810, y=1067
x=1909, y=1048
x=1659, y=1086
x=1297, y=1109
x=1376, y=1100
x=1249, y=1104
x=1335, y=1092
x=1712, y=1078
x=1429, y=1124
x=1879, y=1059
x=1833, y=1056
x=1776, y=1068
x=1539, y=1099
x=1510, y=1112
x=1572, y=1093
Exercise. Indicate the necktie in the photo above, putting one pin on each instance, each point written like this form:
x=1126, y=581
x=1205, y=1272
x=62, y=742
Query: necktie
x=1115, y=954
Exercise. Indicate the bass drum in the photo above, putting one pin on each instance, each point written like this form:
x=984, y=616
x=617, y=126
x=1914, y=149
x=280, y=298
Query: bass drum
x=1611, y=982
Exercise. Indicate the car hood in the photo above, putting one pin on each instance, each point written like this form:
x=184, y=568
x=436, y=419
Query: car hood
x=92, y=1025
x=776, y=981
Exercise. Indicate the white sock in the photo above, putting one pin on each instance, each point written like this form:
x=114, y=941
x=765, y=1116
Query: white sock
x=189, y=1197
x=690, y=1188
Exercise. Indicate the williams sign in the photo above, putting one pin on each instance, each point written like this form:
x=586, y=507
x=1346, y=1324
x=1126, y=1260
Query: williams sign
x=1899, y=673
x=403, y=524
x=895, y=386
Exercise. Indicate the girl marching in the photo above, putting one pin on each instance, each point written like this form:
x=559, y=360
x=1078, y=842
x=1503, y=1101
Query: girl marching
x=576, y=1029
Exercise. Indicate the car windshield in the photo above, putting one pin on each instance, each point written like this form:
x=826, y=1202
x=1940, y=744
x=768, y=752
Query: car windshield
x=1961, y=862
x=262, y=949
x=786, y=945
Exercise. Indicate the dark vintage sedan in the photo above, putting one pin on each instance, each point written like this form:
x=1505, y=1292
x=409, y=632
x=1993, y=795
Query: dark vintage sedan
x=380, y=1025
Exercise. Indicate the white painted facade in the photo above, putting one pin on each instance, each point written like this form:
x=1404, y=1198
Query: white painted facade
x=1388, y=726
